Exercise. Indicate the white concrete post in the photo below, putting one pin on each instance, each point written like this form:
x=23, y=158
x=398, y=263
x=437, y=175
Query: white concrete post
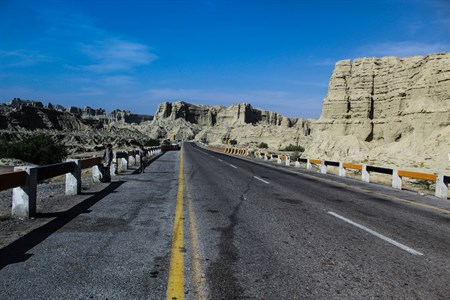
x=441, y=187
x=323, y=168
x=279, y=160
x=308, y=164
x=24, y=197
x=73, y=180
x=342, y=170
x=365, y=176
x=288, y=160
x=124, y=164
x=396, y=180
x=297, y=164
x=112, y=170
x=95, y=174
x=136, y=157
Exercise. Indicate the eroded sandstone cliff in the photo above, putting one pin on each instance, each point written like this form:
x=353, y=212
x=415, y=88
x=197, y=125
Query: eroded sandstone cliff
x=241, y=122
x=397, y=109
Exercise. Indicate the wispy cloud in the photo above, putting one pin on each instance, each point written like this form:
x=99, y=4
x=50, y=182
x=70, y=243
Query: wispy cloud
x=116, y=55
x=23, y=58
x=403, y=49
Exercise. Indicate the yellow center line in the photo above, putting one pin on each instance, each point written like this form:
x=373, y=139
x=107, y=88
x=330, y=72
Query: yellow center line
x=175, y=286
x=198, y=276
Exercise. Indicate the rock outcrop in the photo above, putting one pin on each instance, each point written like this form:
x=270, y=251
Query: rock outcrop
x=241, y=122
x=385, y=98
x=82, y=130
x=392, y=106
x=387, y=111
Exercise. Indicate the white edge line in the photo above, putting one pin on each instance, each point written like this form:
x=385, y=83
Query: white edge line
x=220, y=159
x=260, y=179
x=233, y=166
x=385, y=238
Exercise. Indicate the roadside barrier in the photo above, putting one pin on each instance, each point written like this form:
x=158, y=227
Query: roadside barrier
x=24, y=180
x=236, y=151
x=441, y=180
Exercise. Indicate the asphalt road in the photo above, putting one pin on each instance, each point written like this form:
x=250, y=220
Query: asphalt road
x=251, y=231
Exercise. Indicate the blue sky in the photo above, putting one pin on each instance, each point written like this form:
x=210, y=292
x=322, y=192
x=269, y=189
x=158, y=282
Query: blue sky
x=135, y=54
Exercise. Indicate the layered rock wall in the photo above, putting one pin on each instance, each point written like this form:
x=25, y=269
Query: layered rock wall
x=391, y=110
x=386, y=98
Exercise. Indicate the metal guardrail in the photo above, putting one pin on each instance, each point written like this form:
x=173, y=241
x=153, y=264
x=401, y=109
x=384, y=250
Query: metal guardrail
x=12, y=179
x=24, y=182
x=442, y=181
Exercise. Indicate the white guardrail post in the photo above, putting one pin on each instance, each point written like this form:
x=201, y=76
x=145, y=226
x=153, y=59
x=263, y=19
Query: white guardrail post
x=95, y=174
x=24, y=197
x=365, y=175
x=396, y=180
x=73, y=180
x=288, y=160
x=323, y=168
x=441, y=187
x=308, y=164
x=342, y=171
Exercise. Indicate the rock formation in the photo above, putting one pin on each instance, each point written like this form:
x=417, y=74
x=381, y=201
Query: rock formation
x=82, y=130
x=390, y=108
x=386, y=111
x=240, y=122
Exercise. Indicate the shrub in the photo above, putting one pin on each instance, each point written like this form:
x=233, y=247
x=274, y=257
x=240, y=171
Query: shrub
x=263, y=145
x=166, y=142
x=293, y=148
x=233, y=142
x=38, y=149
x=151, y=143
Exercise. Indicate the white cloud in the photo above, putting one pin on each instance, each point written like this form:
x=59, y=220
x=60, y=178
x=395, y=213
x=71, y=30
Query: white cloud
x=117, y=55
x=403, y=49
x=22, y=58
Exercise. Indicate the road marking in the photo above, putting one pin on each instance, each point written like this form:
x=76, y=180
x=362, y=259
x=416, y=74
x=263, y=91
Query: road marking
x=446, y=211
x=175, y=285
x=385, y=238
x=260, y=179
x=220, y=160
x=233, y=166
x=198, y=275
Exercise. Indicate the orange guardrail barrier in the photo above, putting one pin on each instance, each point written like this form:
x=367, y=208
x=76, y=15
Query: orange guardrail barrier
x=352, y=166
x=417, y=175
x=12, y=180
x=90, y=162
x=315, y=161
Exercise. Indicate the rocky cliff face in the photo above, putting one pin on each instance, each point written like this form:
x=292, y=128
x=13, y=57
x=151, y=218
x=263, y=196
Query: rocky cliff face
x=386, y=98
x=82, y=130
x=391, y=106
x=206, y=115
x=386, y=111
x=240, y=122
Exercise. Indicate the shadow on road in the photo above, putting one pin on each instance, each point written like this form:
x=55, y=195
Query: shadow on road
x=17, y=250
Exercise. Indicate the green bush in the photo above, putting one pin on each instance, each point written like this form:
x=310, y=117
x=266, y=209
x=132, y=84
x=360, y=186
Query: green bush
x=263, y=145
x=166, y=142
x=293, y=148
x=38, y=149
x=233, y=142
x=151, y=143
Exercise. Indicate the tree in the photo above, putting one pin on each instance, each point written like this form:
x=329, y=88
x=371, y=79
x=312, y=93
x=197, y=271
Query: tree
x=38, y=149
x=263, y=145
x=151, y=142
x=233, y=142
x=293, y=148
